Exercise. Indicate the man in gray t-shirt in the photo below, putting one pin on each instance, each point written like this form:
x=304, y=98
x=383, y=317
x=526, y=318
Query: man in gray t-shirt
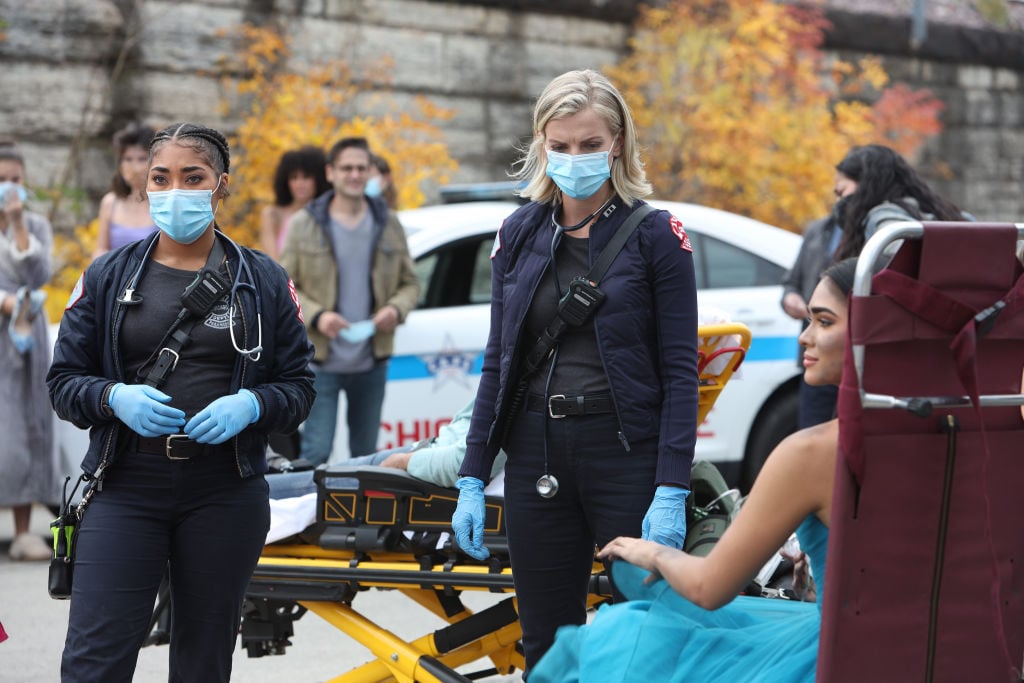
x=354, y=279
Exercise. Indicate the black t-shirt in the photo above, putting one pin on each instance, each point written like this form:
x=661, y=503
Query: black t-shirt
x=578, y=369
x=206, y=363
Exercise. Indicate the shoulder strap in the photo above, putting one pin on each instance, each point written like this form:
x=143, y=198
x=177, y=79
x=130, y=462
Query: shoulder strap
x=618, y=240
x=177, y=335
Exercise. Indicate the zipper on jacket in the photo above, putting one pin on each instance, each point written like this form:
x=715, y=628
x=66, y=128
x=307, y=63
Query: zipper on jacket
x=499, y=400
x=115, y=331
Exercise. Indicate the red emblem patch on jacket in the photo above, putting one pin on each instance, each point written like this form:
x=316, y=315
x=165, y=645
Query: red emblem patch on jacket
x=678, y=231
x=295, y=298
x=77, y=293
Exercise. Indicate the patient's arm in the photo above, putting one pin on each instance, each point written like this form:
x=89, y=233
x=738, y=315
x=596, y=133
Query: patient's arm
x=397, y=460
x=795, y=482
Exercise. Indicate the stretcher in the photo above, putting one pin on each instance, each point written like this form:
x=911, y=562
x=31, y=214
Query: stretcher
x=924, y=577
x=380, y=528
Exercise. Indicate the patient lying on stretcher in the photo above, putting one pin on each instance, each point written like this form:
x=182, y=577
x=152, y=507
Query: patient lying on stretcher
x=436, y=460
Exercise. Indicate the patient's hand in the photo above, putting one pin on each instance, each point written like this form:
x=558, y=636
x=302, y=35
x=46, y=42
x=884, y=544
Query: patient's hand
x=399, y=461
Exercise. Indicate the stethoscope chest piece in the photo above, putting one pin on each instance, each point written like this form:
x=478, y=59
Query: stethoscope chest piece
x=547, y=486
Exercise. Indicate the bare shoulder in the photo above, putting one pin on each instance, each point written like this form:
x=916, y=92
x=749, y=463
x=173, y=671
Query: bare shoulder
x=810, y=449
x=808, y=456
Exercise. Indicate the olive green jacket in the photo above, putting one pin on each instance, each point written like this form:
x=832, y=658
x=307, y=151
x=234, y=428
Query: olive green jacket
x=308, y=256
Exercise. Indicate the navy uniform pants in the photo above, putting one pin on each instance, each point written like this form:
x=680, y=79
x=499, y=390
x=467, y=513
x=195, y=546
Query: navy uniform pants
x=199, y=516
x=604, y=492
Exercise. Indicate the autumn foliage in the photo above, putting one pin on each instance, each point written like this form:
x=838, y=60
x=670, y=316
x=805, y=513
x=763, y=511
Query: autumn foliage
x=740, y=109
x=283, y=109
x=280, y=107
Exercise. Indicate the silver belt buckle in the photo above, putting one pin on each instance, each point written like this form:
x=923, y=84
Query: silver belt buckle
x=551, y=413
x=170, y=447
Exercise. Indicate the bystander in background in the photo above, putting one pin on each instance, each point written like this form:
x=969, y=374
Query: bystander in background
x=26, y=241
x=124, y=211
x=300, y=177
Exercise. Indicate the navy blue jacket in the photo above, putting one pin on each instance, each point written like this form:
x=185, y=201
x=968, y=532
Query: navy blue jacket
x=87, y=356
x=646, y=333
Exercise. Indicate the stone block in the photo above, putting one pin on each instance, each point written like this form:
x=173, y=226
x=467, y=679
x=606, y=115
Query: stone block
x=342, y=9
x=575, y=31
x=447, y=18
x=187, y=37
x=505, y=69
x=317, y=41
x=61, y=30
x=465, y=64
x=954, y=113
x=972, y=76
x=982, y=108
x=168, y=102
x=1007, y=79
x=1011, y=108
x=416, y=55
x=544, y=61
x=42, y=102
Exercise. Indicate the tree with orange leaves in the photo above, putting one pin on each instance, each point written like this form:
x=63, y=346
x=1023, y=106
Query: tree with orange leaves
x=286, y=109
x=742, y=110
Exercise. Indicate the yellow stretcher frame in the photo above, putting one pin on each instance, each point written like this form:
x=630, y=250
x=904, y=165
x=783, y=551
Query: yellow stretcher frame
x=326, y=581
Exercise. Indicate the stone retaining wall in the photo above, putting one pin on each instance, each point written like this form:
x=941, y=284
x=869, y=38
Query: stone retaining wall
x=73, y=71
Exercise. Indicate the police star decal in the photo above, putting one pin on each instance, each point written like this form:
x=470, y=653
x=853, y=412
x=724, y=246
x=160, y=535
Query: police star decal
x=449, y=365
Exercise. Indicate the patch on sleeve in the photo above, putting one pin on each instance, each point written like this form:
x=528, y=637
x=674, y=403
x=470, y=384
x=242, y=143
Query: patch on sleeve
x=678, y=231
x=497, y=241
x=295, y=298
x=77, y=293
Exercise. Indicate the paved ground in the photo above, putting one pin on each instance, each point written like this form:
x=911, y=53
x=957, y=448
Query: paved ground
x=36, y=626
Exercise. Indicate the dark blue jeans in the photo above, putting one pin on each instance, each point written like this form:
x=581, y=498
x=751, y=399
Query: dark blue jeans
x=603, y=492
x=199, y=516
x=364, y=396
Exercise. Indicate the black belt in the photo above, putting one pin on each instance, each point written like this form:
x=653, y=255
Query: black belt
x=560, y=405
x=176, y=447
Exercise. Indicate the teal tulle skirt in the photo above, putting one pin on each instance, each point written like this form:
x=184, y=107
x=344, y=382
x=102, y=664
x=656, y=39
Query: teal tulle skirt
x=660, y=637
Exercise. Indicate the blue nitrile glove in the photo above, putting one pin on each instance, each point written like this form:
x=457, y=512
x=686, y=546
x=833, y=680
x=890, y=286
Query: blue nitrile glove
x=468, y=520
x=665, y=521
x=225, y=417
x=142, y=408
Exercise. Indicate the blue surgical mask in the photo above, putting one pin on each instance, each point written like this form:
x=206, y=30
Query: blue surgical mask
x=578, y=175
x=7, y=186
x=373, y=188
x=183, y=215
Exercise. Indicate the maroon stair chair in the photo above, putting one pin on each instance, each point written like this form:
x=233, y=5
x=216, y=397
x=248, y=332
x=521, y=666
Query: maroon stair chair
x=925, y=571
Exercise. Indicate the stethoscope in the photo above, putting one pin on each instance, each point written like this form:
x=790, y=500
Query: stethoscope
x=131, y=298
x=547, y=484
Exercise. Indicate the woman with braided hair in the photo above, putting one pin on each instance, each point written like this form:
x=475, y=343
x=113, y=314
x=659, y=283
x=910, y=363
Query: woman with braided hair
x=180, y=352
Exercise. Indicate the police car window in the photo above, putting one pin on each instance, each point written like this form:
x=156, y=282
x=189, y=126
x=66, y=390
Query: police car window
x=721, y=265
x=480, y=287
x=457, y=274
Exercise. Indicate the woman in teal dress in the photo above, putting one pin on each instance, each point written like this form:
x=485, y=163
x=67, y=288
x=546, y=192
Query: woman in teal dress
x=683, y=621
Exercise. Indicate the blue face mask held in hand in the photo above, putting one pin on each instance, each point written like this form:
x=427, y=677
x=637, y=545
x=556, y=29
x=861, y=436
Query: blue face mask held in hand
x=579, y=175
x=373, y=187
x=183, y=215
x=6, y=187
x=358, y=332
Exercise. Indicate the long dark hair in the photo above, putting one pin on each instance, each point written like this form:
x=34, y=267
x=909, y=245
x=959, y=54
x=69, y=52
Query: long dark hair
x=882, y=175
x=132, y=135
x=308, y=160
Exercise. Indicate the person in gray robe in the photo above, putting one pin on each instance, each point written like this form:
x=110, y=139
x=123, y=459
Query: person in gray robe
x=26, y=447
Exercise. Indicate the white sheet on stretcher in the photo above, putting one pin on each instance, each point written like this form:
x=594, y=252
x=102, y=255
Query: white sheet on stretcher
x=289, y=516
